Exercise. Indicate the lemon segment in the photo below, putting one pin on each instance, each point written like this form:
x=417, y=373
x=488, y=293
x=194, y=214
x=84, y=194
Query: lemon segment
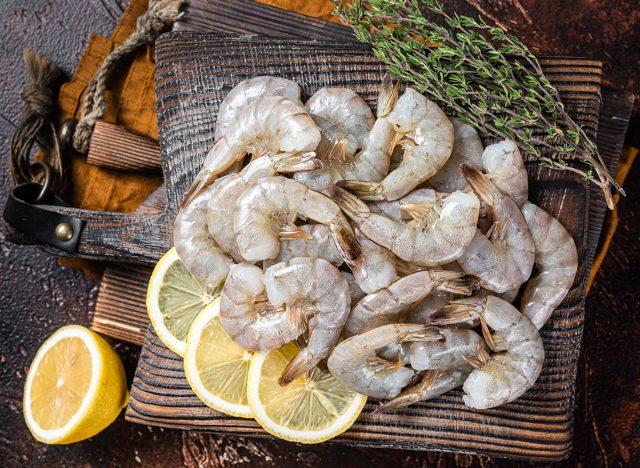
x=174, y=299
x=75, y=387
x=313, y=408
x=216, y=367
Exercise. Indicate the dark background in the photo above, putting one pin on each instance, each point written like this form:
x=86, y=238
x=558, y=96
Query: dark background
x=37, y=295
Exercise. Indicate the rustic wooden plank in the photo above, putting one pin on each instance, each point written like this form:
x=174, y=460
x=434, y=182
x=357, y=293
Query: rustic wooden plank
x=537, y=426
x=115, y=147
x=250, y=17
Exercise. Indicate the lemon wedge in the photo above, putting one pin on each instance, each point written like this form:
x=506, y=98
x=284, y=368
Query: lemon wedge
x=313, y=408
x=75, y=387
x=174, y=299
x=216, y=367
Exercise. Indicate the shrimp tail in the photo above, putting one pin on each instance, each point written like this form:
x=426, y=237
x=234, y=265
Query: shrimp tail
x=452, y=281
x=291, y=231
x=347, y=245
x=452, y=314
x=299, y=365
x=203, y=180
x=296, y=162
x=479, y=182
x=480, y=360
x=411, y=394
x=366, y=190
x=388, y=95
x=355, y=208
x=427, y=333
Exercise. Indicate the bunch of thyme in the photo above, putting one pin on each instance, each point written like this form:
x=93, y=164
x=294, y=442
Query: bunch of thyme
x=488, y=77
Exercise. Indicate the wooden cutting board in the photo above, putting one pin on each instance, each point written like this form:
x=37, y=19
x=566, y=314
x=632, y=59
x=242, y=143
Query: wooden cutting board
x=193, y=74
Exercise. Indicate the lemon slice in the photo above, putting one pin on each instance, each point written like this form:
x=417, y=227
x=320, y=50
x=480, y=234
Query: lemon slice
x=216, y=367
x=313, y=408
x=76, y=386
x=174, y=299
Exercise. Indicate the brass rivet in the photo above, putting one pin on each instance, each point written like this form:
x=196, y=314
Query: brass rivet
x=64, y=232
x=66, y=133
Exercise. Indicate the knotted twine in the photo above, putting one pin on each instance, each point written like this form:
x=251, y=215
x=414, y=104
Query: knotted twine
x=36, y=127
x=159, y=18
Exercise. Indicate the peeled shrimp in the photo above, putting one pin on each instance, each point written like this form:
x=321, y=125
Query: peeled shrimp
x=467, y=149
x=344, y=107
x=432, y=384
x=438, y=234
x=557, y=263
x=270, y=124
x=195, y=246
x=319, y=243
x=505, y=167
x=263, y=311
x=458, y=344
x=272, y=203
x=354, y=361
x=385, y=306
x=225, y=193
x=370, y=163
x=394, y=209
x=505, y=376
x=378, y=268
x=505, y=260
x=250, y=90
x=427, y=140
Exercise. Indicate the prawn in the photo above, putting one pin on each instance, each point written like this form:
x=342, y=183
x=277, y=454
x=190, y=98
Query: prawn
x=504, y=166
x=502, y=377
x=265, y=310
x=344, y=107
x=378, y=267
x=438, y=234
x=272, y=203
x=198, y=251
x=270, y=124
x=458, y=343
x=226, y=190
x=557, y=263
x=250, y=90
x=467, y=149
x=427, y=137
x=504, y=260
x=337, y=156
x=355, y=363
x=385, y=306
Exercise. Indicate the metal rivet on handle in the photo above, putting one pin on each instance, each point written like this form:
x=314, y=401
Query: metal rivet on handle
x=66, y=132
x=64, y=232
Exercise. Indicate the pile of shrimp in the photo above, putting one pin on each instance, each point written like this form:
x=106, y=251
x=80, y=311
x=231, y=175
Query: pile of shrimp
x=390, y=246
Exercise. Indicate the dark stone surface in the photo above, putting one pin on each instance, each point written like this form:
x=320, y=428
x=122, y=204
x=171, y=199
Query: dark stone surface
x=37, y=295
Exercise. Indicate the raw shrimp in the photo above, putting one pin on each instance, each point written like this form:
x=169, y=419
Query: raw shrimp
x=467, y=149
x=557, y=263
x=439, y=234
x=427, y=140
x=354, y=361
x=504, y=261
x=225, y=193
x=432, y=384
x=319, y=243
x=356, y=292
x=195, y=246
x=385, y=306
x=248, y=91
x=272, y=203
x=458, y=344
x=303, y=295
x=371, y=163
x=343, y=107
x=505, y=167
x=270, y=124
x=378, y=268
x=505, y=376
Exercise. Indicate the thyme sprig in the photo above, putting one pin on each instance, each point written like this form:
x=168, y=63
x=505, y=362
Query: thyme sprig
x=488, y=77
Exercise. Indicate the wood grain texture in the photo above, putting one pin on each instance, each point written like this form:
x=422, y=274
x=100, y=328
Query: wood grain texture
x=537, y=426
x=114, y=147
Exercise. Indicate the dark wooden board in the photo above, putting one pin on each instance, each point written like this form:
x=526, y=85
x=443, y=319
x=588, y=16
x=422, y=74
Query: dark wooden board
x=537, y=426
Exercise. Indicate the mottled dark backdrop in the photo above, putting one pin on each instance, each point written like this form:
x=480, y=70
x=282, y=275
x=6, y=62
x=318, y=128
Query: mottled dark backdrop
x=37, y=295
